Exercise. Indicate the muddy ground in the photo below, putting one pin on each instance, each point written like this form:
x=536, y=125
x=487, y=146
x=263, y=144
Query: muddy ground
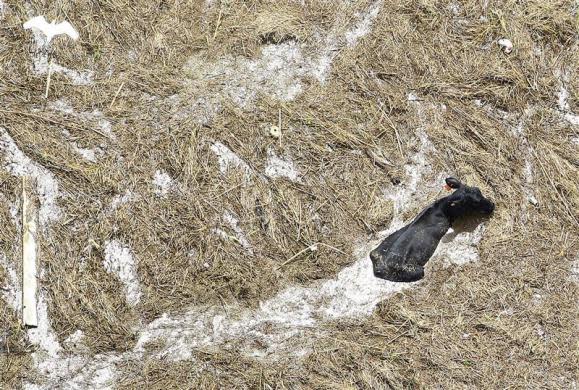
x=184, y=242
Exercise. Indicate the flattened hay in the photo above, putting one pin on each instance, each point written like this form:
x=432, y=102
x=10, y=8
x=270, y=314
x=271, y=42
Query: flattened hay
x=183, y=244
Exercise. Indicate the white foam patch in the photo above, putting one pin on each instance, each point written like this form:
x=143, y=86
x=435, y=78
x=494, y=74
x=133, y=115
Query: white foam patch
x=18, y=164
x=162, y=183
x=119, y=261
x=227, y=159
x=10, y=291
x=277, y=167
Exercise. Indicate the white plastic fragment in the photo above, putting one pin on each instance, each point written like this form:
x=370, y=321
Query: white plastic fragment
x=506, y=45
x=50, y=30
x=275, y=131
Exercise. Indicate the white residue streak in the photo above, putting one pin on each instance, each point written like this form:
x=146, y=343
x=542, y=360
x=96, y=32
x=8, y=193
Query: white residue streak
x=277, y=167
x=162, y=183
x=363, y=26
x=233, y=223
x=18, y=164
x=10, y=291
x=563, y=100
x=402, y=195
x=228, y=159
x=528, y=186
x=95, y=116
x=278, y=72
x=119, y=261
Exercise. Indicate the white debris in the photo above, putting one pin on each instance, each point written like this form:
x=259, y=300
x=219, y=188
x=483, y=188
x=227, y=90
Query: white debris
x=363, y=26
x=412, y=97
x=275, y=131
x=233, y=223
x=162, y=183
x=104, y=126
x=119, y=200
x=575, y=270
x=119, y=261
x=454, y=8
x=506, y=45
x=277, y=167
x=10, y=291
x=563, y=100
x=18, y=164
x=50, y=30
x=2, y=9
x=228, y=159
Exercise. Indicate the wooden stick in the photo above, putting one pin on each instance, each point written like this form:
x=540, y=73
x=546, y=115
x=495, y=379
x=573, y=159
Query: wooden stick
x=116, y=94
x=29, y=282
x=48, y=79
x=279, y=125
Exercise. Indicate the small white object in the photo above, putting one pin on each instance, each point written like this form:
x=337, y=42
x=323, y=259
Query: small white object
x=50, y=30
x=275, y=131
x=506, y=45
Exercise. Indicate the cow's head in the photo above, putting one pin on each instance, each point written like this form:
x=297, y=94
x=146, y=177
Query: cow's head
x=466, y=200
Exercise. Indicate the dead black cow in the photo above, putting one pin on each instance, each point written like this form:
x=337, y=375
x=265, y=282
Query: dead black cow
x=402, y=255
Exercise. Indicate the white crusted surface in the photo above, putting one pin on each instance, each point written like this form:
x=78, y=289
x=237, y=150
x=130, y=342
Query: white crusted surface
x=119, y=261
x=18, y=164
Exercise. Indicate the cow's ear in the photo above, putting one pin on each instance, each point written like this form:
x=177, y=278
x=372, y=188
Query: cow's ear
x=453, y=183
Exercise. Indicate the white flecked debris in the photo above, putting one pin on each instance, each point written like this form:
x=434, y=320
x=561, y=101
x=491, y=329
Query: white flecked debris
x=228, y=159
x=506, y=45
x=277, y=167
x=162, y=183
x=119, y=261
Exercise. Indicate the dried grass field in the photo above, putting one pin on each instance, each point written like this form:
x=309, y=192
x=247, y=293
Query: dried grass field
x=182, y=244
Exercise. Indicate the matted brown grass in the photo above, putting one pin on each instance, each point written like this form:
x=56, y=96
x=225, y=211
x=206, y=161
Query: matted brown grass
x=473, y=326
